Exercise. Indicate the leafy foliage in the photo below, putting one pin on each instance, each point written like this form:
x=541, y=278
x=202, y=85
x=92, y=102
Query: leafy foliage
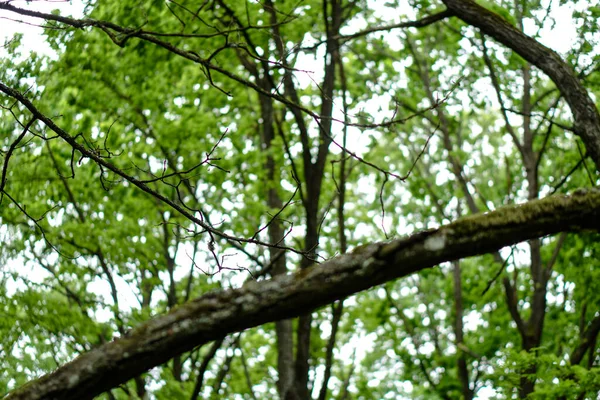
x=472, y=127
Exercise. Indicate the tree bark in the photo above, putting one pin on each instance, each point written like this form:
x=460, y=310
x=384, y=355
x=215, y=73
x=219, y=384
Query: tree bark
x=215, y=314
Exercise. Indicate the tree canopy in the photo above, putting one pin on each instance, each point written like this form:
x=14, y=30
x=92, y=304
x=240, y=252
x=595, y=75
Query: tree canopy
x=298, y=200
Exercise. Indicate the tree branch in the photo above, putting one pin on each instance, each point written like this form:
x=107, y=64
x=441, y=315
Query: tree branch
x=102, y=162
x=215, y=314
x=588, y=337
x=585, y=113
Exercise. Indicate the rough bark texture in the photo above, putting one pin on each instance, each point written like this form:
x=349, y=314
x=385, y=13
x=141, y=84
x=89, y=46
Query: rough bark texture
x=218, y=313
x=585, y=113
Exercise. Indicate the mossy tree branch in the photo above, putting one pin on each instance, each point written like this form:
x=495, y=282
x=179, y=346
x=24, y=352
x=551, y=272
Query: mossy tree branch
x=216, y=314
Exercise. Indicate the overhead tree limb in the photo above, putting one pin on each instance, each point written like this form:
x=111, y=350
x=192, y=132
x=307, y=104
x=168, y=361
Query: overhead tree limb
x=585, y=114
x=421, y=23
x=215, y=314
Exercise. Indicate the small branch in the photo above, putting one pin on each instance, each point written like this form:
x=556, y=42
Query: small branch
x=204, y=366
x=336, y=314
x=9, y=153
x=500, y=270
x=246, y=373
x=567, y=176
x=587, y=338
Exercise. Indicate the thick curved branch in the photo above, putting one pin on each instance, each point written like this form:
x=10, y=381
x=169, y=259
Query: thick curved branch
x=221, y=312
x=585, y=113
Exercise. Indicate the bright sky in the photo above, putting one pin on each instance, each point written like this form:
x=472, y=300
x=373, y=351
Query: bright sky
x=32, y=33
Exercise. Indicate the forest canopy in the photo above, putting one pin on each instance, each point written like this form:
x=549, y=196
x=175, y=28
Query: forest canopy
x=334, y=199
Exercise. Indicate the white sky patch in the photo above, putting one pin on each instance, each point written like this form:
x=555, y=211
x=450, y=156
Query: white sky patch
x=309, y=66
x=559, y=35
x=33, y=40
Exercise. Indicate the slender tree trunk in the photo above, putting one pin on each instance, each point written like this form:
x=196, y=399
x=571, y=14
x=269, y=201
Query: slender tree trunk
x=463, y=371
x=283, y=329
